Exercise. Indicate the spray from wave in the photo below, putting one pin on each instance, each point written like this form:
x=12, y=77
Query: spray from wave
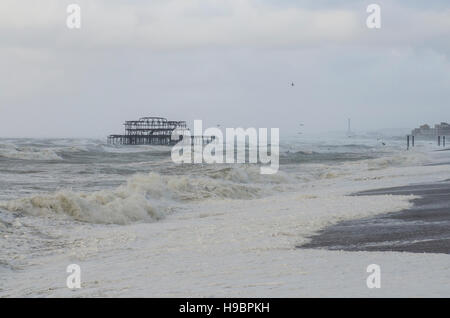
x=149, y=197
x=144, y=197
x=27, y=153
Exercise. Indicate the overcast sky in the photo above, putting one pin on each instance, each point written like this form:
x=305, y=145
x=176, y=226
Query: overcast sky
x=228, y=62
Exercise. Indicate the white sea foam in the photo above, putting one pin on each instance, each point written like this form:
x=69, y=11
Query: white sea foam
x=405, y=158
x=234, y=232
x=27, y=153
x=247, y=174
x=144, y=197
x=149, y=197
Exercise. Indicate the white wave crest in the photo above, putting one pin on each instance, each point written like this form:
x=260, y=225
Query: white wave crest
x=400, y=159
x=145, y=197
x=248, y=174
x=27, y=153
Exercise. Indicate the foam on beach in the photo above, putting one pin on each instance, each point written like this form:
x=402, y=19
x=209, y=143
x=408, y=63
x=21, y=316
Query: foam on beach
x=226, y=228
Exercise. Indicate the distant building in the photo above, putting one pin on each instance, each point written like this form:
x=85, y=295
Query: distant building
x=442, y=129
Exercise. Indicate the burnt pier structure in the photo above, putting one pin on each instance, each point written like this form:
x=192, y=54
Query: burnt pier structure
x=155, y=131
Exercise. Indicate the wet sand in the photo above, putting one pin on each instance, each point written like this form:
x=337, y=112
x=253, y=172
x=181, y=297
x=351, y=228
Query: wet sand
x=425, y=228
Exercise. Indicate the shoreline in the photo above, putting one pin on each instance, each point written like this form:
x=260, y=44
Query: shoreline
x=423, y=228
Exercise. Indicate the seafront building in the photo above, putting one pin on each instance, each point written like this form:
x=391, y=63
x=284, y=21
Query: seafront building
x=442, y=129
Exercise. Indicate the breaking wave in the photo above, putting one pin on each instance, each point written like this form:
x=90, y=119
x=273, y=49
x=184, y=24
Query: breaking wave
x=144, y=197
x=27, y=153
x=401, y=159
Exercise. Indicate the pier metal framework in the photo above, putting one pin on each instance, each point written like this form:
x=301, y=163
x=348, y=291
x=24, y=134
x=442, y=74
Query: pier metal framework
x=149, y=131
x=156, y=131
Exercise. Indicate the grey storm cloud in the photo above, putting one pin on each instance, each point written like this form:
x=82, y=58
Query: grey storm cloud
x=223, y=61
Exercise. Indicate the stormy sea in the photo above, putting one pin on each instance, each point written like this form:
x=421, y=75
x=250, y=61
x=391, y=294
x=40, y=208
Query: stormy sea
x=138, y=224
